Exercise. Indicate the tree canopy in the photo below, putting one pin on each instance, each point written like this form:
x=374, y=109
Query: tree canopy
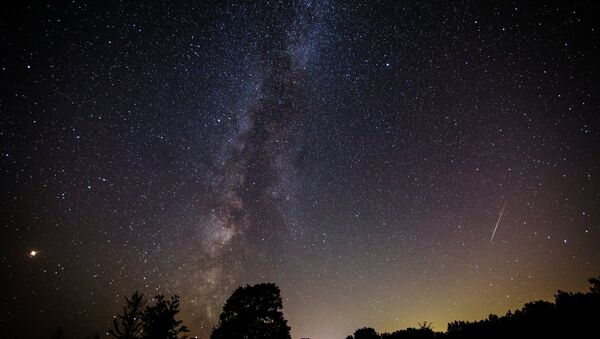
x=253, y=312
x=154, y=321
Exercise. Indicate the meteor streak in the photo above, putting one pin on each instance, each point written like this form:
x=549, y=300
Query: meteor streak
x=498, y=222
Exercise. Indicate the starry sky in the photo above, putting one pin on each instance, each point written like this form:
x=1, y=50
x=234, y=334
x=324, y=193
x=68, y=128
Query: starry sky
x=359, y=155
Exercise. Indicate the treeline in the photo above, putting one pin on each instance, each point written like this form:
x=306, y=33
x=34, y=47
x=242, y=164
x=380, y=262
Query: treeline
x=250, y=312
x=156, y=321
x=255, y=312
x=571, y=315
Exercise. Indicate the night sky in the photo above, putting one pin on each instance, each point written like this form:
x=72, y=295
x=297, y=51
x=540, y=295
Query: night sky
x=360, y=156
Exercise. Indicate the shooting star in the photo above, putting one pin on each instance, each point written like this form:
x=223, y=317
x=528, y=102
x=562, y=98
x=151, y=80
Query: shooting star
x=498, y=222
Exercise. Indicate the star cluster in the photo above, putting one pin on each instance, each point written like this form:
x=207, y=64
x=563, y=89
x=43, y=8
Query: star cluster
x=357, y=155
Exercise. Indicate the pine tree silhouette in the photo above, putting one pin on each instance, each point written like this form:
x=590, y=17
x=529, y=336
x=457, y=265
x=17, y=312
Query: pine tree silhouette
x=127, y=325
x=158, y=320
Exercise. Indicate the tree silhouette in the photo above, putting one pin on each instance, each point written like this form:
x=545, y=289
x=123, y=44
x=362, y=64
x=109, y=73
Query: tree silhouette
x=158, y=320
x=423, y=332
x=59, y=333
x=412, y=333
x=595, y=288
x=366, y=333
x=572, y=315
x=155, y=321
x=253, y=312
x=127, y=325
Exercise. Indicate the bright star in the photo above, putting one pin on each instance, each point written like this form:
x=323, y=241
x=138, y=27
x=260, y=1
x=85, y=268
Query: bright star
x=33, y=253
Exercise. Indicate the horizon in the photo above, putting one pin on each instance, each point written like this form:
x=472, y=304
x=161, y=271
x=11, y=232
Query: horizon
x=384, y=164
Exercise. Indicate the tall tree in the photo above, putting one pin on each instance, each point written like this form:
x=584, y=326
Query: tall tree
x=253, y=312
x=127, y=325
x=159, y=320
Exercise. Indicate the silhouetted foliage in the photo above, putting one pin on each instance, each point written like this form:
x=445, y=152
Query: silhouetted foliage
x=59, y=333
x=423, y=332
x=155, y=321
x=158, y=320
x=127, y=325
x=420, y=333
x=366, y=333
x=253, y=312
x=595, y=288
x=572, y=315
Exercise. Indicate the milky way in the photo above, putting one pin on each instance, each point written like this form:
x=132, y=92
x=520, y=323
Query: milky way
x=357, y=155
x=253, y=173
